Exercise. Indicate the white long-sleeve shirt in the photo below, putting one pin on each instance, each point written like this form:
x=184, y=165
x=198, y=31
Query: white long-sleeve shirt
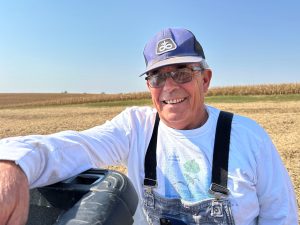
x=260, y=188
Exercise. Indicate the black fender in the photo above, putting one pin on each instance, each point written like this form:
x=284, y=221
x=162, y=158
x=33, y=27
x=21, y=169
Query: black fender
x=94, y=197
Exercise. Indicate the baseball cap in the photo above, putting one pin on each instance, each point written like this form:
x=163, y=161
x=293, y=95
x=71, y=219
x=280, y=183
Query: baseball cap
x=173, y=46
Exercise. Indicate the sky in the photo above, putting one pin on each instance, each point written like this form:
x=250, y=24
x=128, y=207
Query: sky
x=96, y=46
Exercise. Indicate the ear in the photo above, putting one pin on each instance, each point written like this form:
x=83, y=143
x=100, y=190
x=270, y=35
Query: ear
x=207, y=74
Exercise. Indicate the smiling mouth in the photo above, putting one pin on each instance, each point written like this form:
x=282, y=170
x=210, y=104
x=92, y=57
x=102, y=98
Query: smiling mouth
x=174, y=101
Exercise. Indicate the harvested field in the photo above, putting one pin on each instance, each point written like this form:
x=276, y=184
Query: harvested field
x=280, y=119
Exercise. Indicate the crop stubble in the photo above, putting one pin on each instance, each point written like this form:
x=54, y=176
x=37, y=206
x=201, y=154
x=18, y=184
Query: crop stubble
x=280, y=119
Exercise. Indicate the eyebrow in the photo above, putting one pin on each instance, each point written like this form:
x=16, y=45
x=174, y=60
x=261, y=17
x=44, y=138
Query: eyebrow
x=178, y=66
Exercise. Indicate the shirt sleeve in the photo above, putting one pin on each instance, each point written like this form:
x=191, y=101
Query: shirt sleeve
x=47, y=159
x=275, y=191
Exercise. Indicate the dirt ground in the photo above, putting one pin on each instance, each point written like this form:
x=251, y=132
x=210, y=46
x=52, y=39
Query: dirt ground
x=280, y=119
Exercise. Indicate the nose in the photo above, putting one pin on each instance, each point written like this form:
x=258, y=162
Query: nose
x=170, y=84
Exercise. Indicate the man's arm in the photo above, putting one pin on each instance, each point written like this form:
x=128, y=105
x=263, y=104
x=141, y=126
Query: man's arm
x=274, y=188
x=48, y=159
x=14, y=194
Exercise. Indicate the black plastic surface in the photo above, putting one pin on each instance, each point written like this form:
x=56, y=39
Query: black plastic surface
x=98, y=197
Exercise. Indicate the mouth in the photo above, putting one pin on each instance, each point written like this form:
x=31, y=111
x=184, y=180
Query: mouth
x=174, y=101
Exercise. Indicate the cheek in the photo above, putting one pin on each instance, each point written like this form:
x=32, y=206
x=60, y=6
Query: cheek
x=196, y=95
x=155, y=98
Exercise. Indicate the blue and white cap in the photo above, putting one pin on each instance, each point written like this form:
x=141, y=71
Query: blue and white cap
x=173, y=46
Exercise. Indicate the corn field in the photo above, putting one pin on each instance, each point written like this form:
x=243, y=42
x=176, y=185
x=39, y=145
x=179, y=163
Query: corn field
x=9, y=100
x=264, y=89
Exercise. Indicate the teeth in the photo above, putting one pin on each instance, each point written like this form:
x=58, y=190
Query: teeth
x=174, y=101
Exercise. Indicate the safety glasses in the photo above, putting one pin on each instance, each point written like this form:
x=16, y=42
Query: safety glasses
x=180, y=76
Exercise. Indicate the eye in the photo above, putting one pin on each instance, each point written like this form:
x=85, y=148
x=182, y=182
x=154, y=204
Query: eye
x=183, y=77
x=155, y=79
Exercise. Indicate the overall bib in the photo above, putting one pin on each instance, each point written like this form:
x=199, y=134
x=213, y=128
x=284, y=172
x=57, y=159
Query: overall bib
x=215, y=211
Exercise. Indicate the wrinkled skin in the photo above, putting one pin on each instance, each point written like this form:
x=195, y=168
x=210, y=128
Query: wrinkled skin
x=14, y=194
x=189, y=112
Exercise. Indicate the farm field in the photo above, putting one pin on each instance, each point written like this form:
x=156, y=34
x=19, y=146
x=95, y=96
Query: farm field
x=280, y=118
x=233, y=94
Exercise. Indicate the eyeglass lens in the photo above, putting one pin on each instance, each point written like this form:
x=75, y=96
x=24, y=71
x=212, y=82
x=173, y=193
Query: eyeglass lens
x=158, y=80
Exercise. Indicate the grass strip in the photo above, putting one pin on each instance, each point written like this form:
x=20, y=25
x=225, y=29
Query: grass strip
x=208, y=99
x=251, y=98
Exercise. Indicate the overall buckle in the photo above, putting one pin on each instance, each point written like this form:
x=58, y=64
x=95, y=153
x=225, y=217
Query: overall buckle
x=148, y=195
x=218, y=191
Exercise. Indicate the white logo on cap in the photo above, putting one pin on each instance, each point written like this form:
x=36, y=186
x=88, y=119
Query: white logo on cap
x=165, y=45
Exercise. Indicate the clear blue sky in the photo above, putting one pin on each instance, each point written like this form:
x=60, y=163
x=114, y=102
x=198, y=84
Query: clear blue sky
x=96, y=46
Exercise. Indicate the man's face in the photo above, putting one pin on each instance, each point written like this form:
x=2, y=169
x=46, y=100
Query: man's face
x=181, y=106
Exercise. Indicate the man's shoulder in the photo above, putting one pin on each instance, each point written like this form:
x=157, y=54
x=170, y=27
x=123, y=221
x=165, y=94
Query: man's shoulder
x=245, y=122
x=240, y=123
x=140, y=110
x=246, y=126
x=142, y=115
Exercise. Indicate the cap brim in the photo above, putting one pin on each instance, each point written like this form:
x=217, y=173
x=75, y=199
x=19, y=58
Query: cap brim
x=172, y=61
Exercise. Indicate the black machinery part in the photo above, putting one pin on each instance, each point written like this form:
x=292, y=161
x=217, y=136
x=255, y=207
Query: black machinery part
x=96, y=196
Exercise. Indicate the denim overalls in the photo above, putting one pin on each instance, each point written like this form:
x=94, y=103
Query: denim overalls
x=165, y=211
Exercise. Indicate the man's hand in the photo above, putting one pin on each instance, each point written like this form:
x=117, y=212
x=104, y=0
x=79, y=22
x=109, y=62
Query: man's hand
x=14, y=194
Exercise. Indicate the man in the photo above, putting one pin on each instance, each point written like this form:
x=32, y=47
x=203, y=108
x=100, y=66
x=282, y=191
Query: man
x=169, y=155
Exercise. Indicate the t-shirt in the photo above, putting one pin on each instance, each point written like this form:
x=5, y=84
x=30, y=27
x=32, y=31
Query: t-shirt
x=260, y=188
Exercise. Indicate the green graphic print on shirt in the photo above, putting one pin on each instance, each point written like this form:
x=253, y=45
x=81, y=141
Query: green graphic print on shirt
x=187, y=177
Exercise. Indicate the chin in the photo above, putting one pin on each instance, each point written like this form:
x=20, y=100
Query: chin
x=174, y=120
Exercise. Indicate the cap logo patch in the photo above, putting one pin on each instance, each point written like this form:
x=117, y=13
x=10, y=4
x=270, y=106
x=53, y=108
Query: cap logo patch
x=165, y=45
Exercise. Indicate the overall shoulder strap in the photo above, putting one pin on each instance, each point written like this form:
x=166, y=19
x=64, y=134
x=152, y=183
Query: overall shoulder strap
x=221, y=154
x=150, y=158
x=220, y=157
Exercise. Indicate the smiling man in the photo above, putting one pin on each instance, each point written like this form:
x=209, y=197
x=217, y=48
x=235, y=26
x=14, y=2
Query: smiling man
x=180, y=102
x=190, y=163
